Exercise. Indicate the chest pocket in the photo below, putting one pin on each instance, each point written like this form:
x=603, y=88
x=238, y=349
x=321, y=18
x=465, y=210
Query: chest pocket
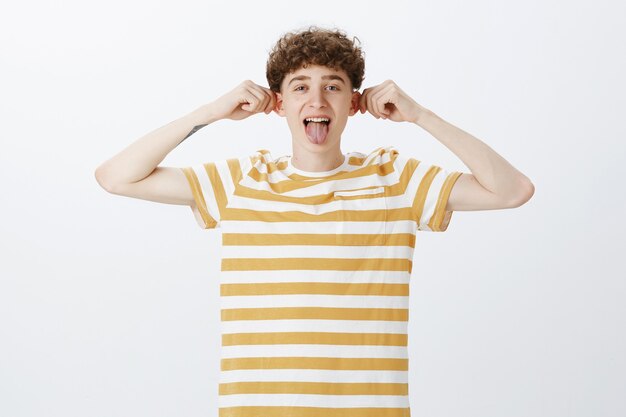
x=362, y=214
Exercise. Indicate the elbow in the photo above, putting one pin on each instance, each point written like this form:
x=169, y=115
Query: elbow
x=525, y=194
x=102, y=181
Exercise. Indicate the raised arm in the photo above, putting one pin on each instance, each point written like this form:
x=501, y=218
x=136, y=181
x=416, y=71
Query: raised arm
x=135, y=171
x=493, y=182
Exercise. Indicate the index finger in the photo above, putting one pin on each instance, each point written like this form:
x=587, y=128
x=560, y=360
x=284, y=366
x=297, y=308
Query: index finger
x=362, y=99
x=272, y=103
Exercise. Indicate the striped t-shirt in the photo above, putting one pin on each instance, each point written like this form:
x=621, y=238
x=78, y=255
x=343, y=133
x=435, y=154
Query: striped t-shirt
x=314, y=285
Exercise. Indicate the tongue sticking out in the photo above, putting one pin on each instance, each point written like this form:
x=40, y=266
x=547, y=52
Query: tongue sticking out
x=317, y=132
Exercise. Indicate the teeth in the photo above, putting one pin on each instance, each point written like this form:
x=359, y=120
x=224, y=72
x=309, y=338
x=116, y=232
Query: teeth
x=317, y=119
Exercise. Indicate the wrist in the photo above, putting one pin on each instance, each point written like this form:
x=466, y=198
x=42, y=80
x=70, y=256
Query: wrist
x=204, y=115
x=422, y=115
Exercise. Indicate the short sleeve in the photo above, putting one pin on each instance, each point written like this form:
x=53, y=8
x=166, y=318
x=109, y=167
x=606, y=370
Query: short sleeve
x=429, y=188
x=210, y=184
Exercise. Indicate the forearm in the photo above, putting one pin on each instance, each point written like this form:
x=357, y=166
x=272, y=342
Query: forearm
x=491, y=170
x=141, y=157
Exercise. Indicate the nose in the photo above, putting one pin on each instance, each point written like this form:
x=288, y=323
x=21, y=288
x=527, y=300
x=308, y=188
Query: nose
x=317, y=98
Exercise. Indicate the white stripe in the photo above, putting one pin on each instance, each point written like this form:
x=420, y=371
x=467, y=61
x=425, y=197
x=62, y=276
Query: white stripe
x=315, y=300
x=325, y=351
x=330, y=227
x=306, y=251
x=376, y=203
x=314, y=375
x=314, y=325
x=224, y=173
x=367, y=191
x=290, y=275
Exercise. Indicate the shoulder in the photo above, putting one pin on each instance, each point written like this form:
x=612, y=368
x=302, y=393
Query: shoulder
x=262, y=160
x=381, y=156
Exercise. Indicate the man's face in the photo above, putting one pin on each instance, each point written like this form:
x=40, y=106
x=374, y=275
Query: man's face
x=317, y=91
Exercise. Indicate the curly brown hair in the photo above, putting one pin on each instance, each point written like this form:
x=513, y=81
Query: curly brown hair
x=315, y=46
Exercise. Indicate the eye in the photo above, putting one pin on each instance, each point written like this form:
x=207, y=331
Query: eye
x=332, y=87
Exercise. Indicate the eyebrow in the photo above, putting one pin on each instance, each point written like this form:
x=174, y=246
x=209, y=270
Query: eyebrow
x=324, y=77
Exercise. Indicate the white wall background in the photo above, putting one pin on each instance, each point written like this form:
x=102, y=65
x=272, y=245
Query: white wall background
x=108, y=305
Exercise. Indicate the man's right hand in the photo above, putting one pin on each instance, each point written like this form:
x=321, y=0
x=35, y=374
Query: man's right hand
x=243, y=101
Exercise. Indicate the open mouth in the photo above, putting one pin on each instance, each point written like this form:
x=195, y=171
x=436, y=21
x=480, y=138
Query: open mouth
x=316, y=129
x=324, y=120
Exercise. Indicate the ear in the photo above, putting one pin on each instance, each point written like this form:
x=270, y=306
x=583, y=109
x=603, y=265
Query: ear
x=354, y=103
x=278, y=107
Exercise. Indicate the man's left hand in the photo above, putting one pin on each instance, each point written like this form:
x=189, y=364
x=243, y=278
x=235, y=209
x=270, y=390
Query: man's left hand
x=388, y=101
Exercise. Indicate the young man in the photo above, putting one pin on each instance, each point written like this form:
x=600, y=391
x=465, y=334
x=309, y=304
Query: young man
x=318, y=245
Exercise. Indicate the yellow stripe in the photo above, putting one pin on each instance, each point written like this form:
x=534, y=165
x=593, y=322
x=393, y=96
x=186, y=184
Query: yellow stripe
x=235, y=170
x=332, y=264
x=315, y=338
x=239, y=214
x=328, y=288
x=313, y=239
x=323, y=388
x=292, y=411
x=196, y=191
x=441, y=217
x=218, y=187
x=323, y=313
x=305, y=362
x=422, y=192
x=400, y=187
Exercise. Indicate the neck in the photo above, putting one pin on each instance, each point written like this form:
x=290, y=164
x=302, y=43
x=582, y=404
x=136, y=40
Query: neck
x=326, y=160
